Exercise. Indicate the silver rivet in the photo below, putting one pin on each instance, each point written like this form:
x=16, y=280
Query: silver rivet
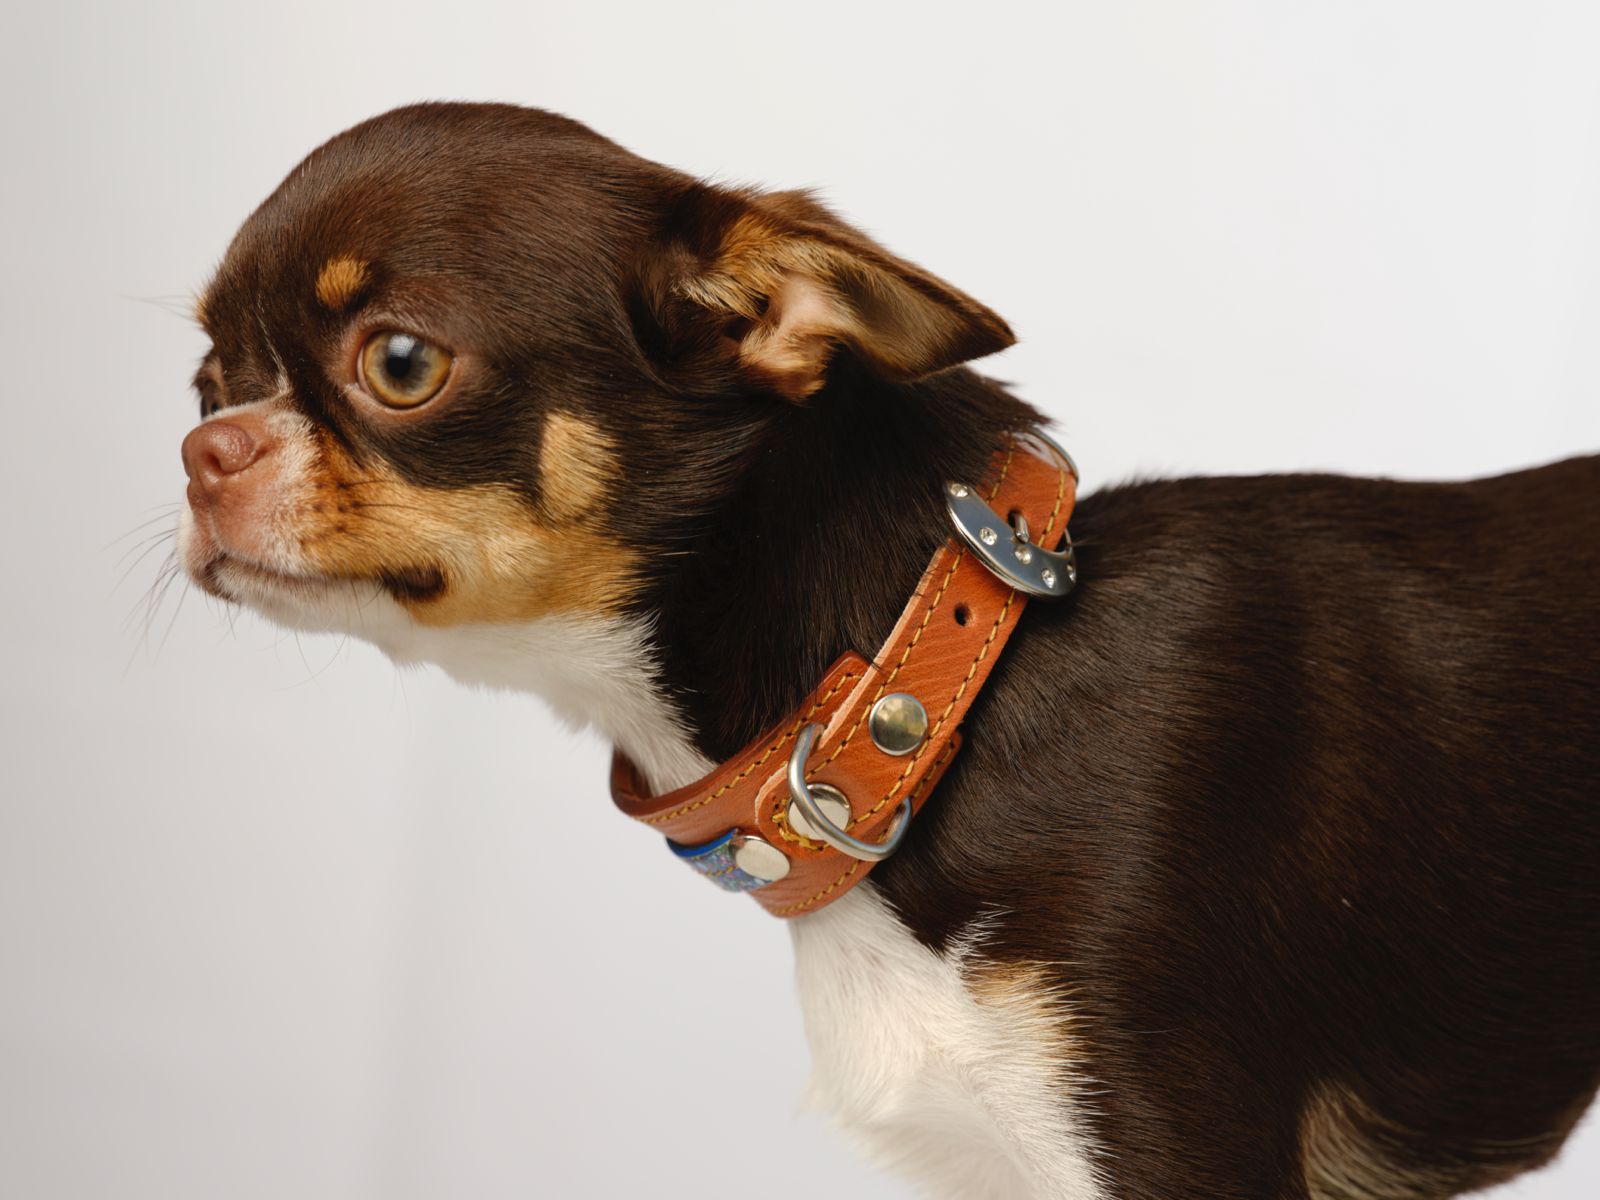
x=759, y=859
x=958, y=490
x=832, y=803
x=898, y=723
x=1048, y=576
x=1024, y=553
x=988, y=536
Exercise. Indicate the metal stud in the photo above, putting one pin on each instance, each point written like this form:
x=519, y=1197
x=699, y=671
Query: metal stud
x=833, y=804
x=759, y=858
x=898, y=723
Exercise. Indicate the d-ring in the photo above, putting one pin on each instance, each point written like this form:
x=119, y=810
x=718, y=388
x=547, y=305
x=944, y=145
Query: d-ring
x=825, y=829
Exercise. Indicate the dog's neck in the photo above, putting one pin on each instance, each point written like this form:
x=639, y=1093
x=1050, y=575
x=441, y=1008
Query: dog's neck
x=816, y=546
x=812, y=549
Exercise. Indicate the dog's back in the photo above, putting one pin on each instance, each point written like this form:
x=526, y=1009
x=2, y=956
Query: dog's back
x=1296, y=797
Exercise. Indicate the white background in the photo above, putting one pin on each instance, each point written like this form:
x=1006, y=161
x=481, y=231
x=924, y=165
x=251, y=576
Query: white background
x=277, y=921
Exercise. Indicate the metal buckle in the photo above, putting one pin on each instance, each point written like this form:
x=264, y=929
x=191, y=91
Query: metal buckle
x=823, y=828
x=1006, y=549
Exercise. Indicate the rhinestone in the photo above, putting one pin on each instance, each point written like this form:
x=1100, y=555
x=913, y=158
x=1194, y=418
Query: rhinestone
x=898, y=723
x=988, y=536
x=958, y=490
x=1048, y=576
x=1024, y=553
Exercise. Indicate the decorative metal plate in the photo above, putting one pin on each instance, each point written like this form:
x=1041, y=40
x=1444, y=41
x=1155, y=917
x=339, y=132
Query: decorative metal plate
x=1007, y=552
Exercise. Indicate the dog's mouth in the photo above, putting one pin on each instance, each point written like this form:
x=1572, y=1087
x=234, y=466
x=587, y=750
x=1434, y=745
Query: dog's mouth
x=232, y=577
x=228, y=575
x=294, y=594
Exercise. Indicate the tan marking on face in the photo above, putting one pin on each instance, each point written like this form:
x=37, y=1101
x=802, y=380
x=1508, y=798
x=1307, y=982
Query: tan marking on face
x=576, y=466
x=200, y=310
x=500, y=562
x=340, y=281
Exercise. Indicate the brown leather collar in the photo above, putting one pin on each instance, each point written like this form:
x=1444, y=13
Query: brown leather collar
x=738, y=824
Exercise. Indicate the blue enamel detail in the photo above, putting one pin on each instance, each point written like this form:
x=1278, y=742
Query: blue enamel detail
x=714, y=860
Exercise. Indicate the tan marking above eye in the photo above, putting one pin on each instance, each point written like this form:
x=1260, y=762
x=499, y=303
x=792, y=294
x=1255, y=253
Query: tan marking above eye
x=576, y=466
x=340, y=281
x=401, y=370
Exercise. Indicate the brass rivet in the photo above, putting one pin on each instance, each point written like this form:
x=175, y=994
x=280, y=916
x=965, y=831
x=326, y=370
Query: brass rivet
x=898, y=723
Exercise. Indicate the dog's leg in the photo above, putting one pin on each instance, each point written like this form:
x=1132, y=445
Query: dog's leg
x=952, y=1071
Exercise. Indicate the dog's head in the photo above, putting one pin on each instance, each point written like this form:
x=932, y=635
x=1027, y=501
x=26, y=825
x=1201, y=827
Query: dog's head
x=475, y=365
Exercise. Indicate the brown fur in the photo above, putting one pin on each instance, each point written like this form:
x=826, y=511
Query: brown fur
x=1294, y=795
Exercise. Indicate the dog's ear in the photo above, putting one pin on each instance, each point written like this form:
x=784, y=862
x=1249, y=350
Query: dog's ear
x=768, y=286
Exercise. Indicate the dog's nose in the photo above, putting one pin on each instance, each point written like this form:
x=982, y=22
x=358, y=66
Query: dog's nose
x=212, y=453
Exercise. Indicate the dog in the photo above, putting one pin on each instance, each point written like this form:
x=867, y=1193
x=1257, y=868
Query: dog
x=1268, y=866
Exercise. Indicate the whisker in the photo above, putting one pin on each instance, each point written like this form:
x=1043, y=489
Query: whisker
x=165, y=514
x=171, y=576
x=142, y=549
x=311, y=676
x=148, y=607
x=144, y=601
x=176, y=609
x=166, y=532
x=177, y=306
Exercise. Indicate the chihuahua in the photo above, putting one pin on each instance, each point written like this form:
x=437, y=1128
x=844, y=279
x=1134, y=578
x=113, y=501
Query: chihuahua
x=1271, y=866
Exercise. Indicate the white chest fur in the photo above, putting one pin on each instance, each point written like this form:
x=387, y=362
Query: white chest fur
x=958, y=1078
x=956, y=1075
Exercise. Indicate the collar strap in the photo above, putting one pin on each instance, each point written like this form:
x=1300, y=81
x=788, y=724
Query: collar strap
x=801, y=814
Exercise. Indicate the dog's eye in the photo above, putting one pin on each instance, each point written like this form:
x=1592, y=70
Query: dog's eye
x=402, y=370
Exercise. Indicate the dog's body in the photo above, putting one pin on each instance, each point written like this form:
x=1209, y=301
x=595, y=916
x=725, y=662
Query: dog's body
x=1268, y=867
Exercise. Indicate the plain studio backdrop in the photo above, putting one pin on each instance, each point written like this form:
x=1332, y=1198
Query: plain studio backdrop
x=277, y=920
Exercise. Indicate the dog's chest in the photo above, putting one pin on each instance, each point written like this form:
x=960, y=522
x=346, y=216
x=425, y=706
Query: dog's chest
x=958, y=1075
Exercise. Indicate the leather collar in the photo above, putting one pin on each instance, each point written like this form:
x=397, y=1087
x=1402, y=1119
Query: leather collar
x=855, y=744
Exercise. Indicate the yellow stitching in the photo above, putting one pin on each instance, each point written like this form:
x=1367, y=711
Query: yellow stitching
x=983, y=651
x=856, y=864
x=1061, y=492
x=899, y=666
x=779, y=810
x=1004, y=468
x=771, y=750
x=961, y=554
